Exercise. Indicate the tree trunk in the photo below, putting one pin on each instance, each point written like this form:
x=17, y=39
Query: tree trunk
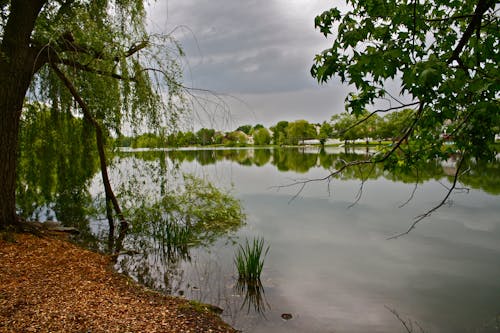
x=15, y=78
x=10, y=112
x=17, y=68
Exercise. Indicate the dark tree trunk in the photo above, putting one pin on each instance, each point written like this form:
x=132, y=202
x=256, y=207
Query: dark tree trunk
x=17, y=68
x=11, y=101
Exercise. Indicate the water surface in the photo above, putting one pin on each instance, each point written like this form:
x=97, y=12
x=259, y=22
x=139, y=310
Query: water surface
x=331, y=265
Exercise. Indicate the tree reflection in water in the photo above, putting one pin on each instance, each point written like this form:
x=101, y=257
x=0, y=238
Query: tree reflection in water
x=484, y=176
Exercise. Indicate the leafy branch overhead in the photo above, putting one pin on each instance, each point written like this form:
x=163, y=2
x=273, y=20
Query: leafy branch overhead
x=444, y=54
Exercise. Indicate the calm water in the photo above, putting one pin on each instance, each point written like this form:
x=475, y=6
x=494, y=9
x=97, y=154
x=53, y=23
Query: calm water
x=330, y=264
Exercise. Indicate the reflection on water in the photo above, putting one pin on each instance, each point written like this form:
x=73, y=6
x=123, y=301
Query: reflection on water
x=485, y=176
x=254, y=296
x=331, y=267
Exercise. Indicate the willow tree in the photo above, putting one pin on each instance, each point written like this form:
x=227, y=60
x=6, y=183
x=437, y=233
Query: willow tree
x=445, y=56
x=84, y=57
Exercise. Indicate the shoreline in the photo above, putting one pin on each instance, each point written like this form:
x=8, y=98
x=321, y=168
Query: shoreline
x=50, y=284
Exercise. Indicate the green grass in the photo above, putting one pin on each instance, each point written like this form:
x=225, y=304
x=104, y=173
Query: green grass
x=249, y=259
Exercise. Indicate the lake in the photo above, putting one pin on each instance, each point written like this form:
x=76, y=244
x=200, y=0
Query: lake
x=331, y=266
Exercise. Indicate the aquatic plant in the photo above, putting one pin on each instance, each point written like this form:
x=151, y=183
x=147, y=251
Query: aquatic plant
x=249, y=259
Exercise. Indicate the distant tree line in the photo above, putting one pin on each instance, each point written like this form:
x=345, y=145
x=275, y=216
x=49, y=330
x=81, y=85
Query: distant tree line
x=344, y=127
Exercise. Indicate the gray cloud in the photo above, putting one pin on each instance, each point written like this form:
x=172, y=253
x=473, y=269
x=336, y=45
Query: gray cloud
x=259, y=50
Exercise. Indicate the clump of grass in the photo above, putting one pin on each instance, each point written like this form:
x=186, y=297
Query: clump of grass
x=249, y=259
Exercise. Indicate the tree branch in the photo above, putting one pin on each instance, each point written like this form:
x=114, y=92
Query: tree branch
x=362, y=162
x=481, y=7
x=412, y=193
x=110, y=196
x=136, y=48
x=379, y=111
x=48, y=54
x=451, y=18
x=406, y=324
x=67, y=43
x=89, y=69
x=432, y=210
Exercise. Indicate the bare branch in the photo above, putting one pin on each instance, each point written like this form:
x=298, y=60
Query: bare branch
x=401, y=320
x=407, y=324
x=297, y=193
x=379, y=111
x=361, y=187
x=441, y=203
x=412, y=192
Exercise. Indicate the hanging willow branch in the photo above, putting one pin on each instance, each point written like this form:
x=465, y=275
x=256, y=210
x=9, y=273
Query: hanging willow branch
x=110, y=196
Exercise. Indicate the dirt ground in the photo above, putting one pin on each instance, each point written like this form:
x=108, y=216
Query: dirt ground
x=51, y=285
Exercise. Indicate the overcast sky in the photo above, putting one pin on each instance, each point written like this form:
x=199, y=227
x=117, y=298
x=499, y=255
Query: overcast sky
x=256, y=54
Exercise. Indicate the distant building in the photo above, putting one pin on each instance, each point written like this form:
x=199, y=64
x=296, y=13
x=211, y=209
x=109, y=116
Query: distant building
x=309, y=142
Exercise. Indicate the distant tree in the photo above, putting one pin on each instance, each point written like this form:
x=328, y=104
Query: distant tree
x=245, y=129
x=368, y=127
x=261, y=136
x=218, y=138
x=205, y=136
x=147, y=140
x=300, y=130
x=395, y=124
x=256, y=127
x=123, y=141
x=325, y=132
x=236, y=138
x=280, y=133
x=344, y=127
x=187, y=139
x=172, y=140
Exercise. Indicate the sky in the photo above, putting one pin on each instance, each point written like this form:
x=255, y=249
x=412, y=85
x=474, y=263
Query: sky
x=255, y=55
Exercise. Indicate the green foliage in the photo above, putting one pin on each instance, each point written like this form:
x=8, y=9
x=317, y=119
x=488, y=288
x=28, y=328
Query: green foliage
x=116, y=67
x=249, y=259
x=261, y=137
x=444, y=52
x=124, y=141
x=147, y=140
x=257, y=127
x=55, y=165
x=236, y=138
x=245, y=129
x=280, y=133
x=300, y=130
x=325, y=131
x=395, y=124
x=205, y=136
x=196, y=213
